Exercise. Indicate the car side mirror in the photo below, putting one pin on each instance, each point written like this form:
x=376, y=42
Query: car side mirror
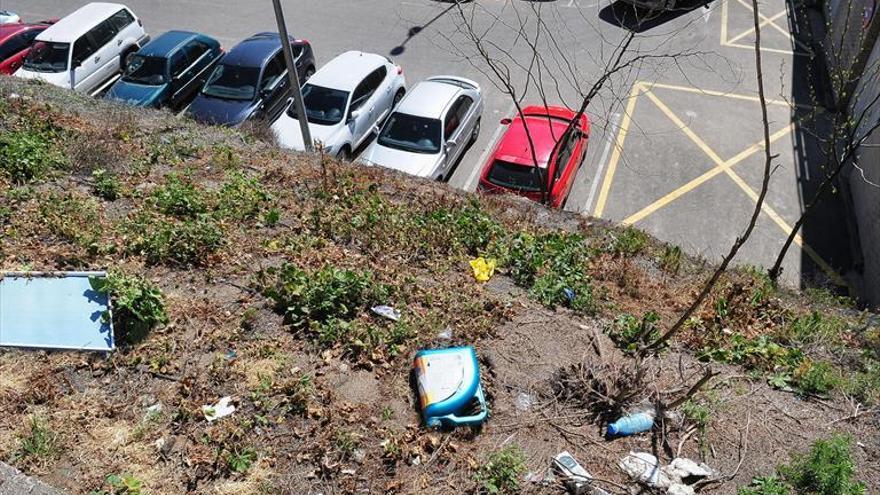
x=76, y=64
x=506, y=121
x=449, y=145
x=354, y=115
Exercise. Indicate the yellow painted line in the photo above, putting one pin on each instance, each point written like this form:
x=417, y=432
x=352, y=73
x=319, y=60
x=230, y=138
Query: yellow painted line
x=618, y=147
x=752, y=29
x=744, y=186
x=773, y=24
x=710, y=92
x=771, y=50
x=693, y=184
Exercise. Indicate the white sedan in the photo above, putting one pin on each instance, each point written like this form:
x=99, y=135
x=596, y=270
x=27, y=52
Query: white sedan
x=431, y=128
x=344, y=100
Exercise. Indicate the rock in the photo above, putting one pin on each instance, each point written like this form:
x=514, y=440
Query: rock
x=14, y=482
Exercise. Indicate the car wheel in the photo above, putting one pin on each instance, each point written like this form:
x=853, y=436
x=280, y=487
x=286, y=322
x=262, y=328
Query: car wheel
x=344, y=154
x=126, y=57
x=398, y=97
x=476, y=133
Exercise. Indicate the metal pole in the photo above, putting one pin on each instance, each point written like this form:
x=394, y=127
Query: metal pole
x=294, y=77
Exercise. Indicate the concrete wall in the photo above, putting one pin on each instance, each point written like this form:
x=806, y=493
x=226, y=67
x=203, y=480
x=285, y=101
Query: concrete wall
x=852, y=28
x=864, y=181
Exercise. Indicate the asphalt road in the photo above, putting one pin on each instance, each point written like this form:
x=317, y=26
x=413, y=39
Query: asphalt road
x=645, y=159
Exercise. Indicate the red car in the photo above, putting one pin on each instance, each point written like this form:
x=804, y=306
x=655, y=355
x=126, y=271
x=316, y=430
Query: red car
x=511, y=167
x=15, y=43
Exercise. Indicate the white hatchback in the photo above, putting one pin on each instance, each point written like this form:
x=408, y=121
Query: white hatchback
x=344, y=100
x=431, y=129
x=86, y=48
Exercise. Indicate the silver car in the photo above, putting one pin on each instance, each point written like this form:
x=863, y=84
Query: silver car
x=430, y=129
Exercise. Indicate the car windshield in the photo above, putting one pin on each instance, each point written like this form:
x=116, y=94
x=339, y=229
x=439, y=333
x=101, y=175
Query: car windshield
x=513, y=176
x=410, y=133
x=47, y=57
x=233, y=82
x=324, y=106
x=145, y=70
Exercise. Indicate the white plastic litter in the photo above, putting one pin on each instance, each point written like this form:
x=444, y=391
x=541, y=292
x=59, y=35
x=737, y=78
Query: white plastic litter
x=221, y=409
x=446, y=334
x=644, y=467
x=386, y=312
x=682, y=467
x=523, y=402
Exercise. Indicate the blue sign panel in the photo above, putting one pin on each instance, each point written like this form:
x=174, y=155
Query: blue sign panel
x=54, y=311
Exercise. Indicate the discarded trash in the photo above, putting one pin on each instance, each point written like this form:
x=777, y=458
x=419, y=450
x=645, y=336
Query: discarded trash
x=446, y=334
x=55, y=310
x=387, y=312
x=632, y=424
x=569, y=294
x=577, y=480
x=644, y=467
x=219, y=410
x=155, y=408
x=449, y=387
x=676, y=478
x=231, y=355
x=483, y=268
x=523, y=402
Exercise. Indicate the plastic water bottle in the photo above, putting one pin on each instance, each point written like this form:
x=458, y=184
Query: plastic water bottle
x=632, y=424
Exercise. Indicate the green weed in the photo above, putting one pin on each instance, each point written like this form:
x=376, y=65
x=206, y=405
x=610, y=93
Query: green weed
x=827, y=469
x=629, y=332
x=670, y=260
x=240, y=460
x=241, y=198
x=502, y=471
x=74, y=219
x=171, y=241
x=122, y=485
x=769, y=485
x=28, y=155
x=39, y=443
x=180, y=198
x=629, y=242
x=105, y=185
x=138, y=305
x=812, y=328
x=325, y=296
x=815, y=378
x=552, y=266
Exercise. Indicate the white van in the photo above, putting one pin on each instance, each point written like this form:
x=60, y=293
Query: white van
x=86, y=48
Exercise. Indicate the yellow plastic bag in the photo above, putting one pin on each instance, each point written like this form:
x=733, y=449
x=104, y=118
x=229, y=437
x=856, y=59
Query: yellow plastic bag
x=483, y=268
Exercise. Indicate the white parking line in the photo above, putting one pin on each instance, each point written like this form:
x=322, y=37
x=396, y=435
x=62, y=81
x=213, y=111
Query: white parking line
x=471, y=182
x=610, y=135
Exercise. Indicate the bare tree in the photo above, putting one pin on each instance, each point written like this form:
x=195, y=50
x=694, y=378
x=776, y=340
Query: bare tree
x=765, y=183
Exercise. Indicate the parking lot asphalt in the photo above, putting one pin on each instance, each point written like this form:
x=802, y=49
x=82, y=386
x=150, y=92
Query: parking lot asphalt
x=674, y=143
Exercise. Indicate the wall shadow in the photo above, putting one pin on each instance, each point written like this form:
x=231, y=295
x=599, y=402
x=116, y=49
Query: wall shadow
x=638, y=20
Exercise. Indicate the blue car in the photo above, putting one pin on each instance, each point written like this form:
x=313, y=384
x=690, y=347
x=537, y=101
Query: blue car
x=167, y=71
x=250, y=82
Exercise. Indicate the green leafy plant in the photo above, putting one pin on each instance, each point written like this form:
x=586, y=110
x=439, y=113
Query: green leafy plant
x=813, y=327
x=629, y=242
x=345, y=442
x=815, y=378
x=552, y=266
x=39, y=443
x=827, y=469
x=769, y=485
x=180, y=198
x=670, y=260
x=75, y=219
x=240, y=460
x=629, y=332
x=502, y=471
x=28, y=155
x=125, y=484
x=319, y=297
x=138, y=305
x=171, y=241
x=105, y=185
x=241, y=197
